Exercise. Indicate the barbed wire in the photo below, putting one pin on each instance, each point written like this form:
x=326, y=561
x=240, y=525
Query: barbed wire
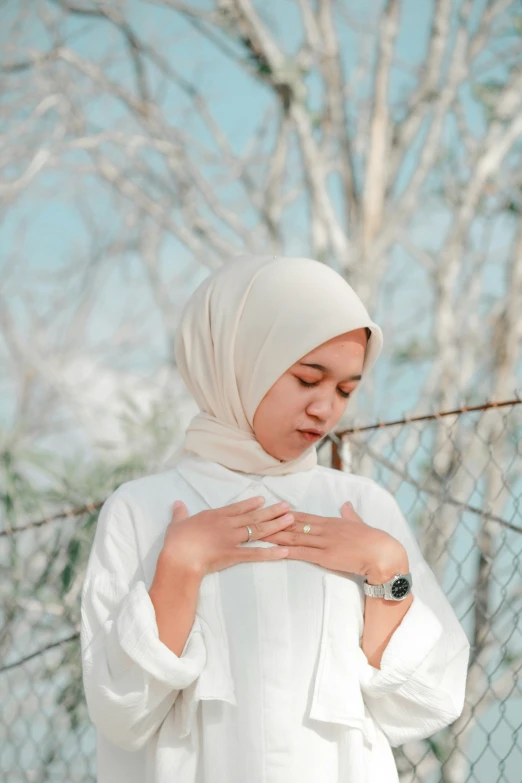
x=75, y=512
x=43, y=650
x=336, y=438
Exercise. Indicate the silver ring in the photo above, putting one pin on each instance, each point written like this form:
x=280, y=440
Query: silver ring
x=249, y=533
x=307, y=528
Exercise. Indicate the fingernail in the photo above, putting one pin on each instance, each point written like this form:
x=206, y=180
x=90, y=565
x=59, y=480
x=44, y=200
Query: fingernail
x=287, y=517
x=177, y=504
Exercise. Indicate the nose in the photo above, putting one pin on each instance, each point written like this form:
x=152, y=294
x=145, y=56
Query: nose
x=321, y=408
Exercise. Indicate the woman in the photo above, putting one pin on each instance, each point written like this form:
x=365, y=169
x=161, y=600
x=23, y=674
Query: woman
x=223, y=642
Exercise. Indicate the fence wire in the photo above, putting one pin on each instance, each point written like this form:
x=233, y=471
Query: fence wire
x=457, y=477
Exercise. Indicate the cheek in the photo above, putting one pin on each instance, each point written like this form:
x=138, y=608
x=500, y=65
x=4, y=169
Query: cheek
x=277, y=407
x=280, y=403
x=289, y=398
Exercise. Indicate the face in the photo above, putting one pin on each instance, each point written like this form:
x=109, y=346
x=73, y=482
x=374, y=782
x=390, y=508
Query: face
x=310, y=398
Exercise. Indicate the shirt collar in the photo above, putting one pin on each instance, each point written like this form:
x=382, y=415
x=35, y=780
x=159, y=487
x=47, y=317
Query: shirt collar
x=219, y=486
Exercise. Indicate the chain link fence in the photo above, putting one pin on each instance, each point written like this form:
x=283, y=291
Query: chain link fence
x=457, y=477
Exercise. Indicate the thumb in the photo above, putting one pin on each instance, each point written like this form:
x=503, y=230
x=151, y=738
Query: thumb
x=179, y=511
x=347, y=509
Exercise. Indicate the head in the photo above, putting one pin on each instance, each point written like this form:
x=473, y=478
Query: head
x=242, y=344
x=307, y=397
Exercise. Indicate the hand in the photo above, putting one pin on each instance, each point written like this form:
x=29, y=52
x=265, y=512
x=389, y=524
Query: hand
x=343, y=543
x=210, y=541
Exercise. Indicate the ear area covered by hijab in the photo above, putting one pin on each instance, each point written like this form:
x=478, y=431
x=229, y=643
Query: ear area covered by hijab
x=241, y=329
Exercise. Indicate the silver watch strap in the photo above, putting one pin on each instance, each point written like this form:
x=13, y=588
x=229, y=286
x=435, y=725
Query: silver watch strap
x=374, y=591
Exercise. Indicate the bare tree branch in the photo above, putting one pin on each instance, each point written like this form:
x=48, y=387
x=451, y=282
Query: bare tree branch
x=375, y=175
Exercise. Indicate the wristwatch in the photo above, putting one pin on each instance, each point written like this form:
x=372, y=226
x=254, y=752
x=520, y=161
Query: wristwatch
x=395, y=589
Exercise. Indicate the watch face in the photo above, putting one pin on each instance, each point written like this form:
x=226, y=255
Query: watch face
x=400, y=588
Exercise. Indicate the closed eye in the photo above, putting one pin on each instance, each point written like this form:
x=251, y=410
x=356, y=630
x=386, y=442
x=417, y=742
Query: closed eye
x=304, y=383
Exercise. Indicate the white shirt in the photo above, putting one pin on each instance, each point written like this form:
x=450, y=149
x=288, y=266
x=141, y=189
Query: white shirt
x=272, y=685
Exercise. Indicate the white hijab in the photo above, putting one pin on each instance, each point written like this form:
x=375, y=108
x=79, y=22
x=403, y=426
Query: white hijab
x=241, y=329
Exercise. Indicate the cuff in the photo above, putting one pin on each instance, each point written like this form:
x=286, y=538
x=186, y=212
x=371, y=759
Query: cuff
x=410, y=644
x=138, y=635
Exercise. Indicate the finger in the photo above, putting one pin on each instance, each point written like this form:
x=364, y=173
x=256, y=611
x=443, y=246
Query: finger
x=348, y=511
x=243, y=506
x=301, y=516
x=249, y=554
x=292, y=539
x=318, y=526
x=262, y=529
x=179, y=510
x=309, y=554
x=255, y=517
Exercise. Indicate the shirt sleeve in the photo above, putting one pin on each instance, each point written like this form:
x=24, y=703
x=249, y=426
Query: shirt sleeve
x=131, y=679
x=420, y=686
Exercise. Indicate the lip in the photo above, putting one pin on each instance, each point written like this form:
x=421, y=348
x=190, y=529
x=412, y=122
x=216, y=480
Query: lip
x=310, y=435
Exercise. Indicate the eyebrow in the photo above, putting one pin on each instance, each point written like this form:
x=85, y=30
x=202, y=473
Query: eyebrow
x=329, y=372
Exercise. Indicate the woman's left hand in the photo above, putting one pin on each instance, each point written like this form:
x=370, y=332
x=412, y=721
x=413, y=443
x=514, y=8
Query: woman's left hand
x=343, y=543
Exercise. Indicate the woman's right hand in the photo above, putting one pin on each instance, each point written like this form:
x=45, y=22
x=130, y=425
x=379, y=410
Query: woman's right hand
x=210, y=541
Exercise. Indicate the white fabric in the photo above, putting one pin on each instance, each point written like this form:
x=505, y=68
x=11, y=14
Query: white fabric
x=241, y=329
x=272, y=685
